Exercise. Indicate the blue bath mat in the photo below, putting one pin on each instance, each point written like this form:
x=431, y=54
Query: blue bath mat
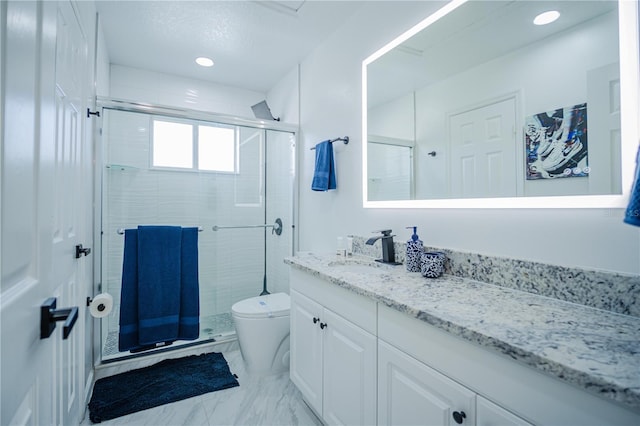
x=167, y=381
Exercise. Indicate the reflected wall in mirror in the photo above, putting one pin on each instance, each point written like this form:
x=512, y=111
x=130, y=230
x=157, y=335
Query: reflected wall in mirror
x=390, y=164
x=485, y=98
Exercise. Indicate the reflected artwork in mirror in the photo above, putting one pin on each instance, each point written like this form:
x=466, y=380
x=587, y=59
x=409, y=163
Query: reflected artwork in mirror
x=477, y=106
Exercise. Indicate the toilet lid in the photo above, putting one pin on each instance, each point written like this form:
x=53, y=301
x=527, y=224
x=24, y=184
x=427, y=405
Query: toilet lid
x=270, y=305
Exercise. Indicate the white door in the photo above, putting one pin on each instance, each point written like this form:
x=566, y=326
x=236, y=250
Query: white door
x=483, y=151
x=411, y=393
x=71, y=206
x=349, y=383
x=42, y=149
x=306, y=349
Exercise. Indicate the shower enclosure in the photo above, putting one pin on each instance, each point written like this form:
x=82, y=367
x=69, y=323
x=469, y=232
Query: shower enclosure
x=232, y=178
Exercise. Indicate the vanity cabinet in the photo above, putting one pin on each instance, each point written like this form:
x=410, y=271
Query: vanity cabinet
x=333, y=358
x=412, y=393
x=359, y=361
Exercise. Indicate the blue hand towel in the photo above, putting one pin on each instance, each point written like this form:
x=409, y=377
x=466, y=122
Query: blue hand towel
x=189, y=323
x=632, y=214
x=324, y=177
x=128, y=336
x=159, y=259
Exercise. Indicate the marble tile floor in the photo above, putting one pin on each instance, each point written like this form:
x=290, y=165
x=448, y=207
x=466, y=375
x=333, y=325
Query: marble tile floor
x=259, y=400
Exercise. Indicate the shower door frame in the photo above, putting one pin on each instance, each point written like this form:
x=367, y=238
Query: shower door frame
x=103, y=103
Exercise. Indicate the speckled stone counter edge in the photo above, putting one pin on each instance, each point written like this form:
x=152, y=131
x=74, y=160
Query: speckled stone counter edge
x=598, y=289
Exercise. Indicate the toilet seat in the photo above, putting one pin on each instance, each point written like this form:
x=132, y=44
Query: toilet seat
x=267, y=306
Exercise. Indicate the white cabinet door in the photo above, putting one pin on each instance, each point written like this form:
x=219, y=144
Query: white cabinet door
x=490, y=414
x=411, y=393
x=306, y=349
x=349, y=372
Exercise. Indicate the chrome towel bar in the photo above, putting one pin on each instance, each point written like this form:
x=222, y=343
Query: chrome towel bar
x=120, y=231
x=277, y=227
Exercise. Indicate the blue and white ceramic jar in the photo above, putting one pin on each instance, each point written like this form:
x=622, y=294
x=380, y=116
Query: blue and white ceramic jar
x=432, y=264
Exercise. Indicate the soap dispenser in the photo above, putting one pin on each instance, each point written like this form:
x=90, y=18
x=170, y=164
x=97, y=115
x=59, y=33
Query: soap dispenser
x=414, y=251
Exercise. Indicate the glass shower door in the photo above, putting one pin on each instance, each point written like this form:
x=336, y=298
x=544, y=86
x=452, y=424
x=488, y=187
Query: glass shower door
x=235, y=260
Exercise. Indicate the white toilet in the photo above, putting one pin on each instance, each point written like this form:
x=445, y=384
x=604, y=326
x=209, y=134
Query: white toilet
x=262, y=326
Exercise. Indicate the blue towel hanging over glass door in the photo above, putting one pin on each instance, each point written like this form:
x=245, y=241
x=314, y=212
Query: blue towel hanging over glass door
x=160, y=295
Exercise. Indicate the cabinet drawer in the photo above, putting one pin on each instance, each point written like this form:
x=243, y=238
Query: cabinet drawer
x=360, y=310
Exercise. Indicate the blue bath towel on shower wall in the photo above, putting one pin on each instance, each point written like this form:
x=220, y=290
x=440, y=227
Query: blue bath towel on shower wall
x=189, y=323
x=159, y=254
x=160, y=289
x=632, y=214
x=324, y=177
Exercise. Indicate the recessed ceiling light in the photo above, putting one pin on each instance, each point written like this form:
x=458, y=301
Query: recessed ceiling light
x=204, y=62
x=546, y=17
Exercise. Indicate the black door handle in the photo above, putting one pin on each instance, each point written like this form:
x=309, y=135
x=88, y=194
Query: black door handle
x=49, y=315
x=80, y=251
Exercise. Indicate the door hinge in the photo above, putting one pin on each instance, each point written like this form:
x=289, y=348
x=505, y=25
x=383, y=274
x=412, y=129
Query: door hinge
x=90, y=113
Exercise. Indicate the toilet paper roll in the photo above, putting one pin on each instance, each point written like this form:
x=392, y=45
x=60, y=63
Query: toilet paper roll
x=101, y=305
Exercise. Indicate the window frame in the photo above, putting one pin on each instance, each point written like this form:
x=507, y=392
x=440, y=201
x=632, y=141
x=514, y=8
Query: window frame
x=195, y=125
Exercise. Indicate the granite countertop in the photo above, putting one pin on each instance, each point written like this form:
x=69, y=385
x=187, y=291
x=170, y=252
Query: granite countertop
x=594, y=349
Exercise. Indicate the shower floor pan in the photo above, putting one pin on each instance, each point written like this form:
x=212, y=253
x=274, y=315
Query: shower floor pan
x=212, y=328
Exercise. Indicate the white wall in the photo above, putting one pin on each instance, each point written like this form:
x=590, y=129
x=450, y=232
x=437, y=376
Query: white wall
x=103, y=66
x=394, y=119
x=283, y=98
x=164, y=89
x=330, y=90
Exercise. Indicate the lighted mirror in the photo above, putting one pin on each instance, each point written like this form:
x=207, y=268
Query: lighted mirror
x=477, y=106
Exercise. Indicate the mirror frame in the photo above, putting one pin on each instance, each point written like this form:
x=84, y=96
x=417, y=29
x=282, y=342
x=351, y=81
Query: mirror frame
x=629, y=116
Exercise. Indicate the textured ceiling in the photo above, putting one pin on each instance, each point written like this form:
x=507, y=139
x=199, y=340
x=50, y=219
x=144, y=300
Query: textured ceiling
x=253, y=43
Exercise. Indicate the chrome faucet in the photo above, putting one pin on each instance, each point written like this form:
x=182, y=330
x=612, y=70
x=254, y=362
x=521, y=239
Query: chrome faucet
x=388, y=253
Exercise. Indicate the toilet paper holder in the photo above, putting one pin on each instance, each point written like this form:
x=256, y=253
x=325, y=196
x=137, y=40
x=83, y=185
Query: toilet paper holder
x=101, y=307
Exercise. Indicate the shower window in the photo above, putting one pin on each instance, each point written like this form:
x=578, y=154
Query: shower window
x=194, y=146
x=216, y=148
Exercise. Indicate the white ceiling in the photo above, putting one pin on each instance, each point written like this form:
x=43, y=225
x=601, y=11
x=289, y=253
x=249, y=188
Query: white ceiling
x=475, y=33
x=253, y=43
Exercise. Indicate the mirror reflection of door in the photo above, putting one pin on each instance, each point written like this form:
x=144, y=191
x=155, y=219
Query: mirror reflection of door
x=390, y=170
x=603, y=94
x=483, y=151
